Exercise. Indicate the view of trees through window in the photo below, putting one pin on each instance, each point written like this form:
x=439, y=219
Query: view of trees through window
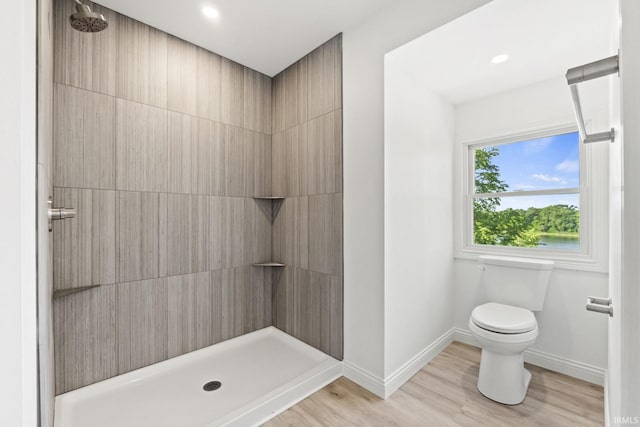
x=527, y=193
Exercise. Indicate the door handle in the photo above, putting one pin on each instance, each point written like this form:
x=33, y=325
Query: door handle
x=600, y=305
x=55, y=214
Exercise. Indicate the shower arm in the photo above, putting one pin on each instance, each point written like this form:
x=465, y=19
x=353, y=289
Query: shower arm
x=593, y=70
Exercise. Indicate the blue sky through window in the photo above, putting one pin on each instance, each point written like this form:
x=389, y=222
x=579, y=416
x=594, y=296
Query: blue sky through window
x=540, y=164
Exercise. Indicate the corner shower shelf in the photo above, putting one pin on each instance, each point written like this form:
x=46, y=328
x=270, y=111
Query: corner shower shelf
x=276, y=203
x=64, y=292
x=269, y=264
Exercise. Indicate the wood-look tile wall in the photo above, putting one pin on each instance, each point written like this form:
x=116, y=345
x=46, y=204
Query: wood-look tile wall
x=160, y=146
x=307, y=169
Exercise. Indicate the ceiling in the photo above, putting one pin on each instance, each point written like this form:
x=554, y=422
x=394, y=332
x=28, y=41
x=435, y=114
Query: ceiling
x=543, y=39
x=266, y=35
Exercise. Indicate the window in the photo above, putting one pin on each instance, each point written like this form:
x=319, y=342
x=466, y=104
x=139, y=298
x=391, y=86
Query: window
x=540, y=194
x=526, y=193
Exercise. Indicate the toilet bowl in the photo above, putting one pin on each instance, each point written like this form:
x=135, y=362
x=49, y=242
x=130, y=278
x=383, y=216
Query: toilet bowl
x=504, y=333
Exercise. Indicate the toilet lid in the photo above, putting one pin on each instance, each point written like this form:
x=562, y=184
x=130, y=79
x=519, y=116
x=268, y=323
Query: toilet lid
x=504, y=319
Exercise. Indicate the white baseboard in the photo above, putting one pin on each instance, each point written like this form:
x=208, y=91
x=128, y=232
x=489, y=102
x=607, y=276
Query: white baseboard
x=385, y=388
x=413, y=366
x=464, y=336
x=364, y=379
x=565, y=366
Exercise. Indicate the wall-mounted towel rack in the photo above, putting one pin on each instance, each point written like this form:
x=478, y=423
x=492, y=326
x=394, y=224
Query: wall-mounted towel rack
x=583, y=73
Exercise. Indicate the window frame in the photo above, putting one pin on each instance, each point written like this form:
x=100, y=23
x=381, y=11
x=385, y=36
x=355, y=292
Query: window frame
x=590, y=256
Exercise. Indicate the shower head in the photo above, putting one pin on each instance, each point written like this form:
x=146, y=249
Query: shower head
x=86, y=21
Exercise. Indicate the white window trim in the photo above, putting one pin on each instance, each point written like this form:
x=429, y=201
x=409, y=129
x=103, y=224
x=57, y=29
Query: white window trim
x=593, y=254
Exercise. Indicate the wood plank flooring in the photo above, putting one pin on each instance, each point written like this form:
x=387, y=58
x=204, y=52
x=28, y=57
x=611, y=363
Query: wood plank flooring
x=444, y=393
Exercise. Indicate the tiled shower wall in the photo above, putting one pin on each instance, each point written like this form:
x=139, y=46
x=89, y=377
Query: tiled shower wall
x=307, y=169
x=160, y=146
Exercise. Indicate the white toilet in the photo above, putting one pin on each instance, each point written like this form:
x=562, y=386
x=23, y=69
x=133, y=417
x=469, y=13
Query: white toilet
x=505, y=327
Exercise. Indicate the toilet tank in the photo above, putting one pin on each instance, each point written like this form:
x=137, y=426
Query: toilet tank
x=521, y=282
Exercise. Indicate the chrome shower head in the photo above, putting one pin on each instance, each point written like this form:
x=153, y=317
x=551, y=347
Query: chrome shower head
x=86, y=21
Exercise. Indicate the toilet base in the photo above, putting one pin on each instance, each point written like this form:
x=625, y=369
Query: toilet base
x=503, y=377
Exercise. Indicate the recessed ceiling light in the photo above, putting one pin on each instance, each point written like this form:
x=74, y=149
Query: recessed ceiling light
x=499, y=58
x=210, y=12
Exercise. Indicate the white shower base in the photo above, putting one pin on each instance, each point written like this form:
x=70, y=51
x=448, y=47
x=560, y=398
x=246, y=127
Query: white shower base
x=262, y=374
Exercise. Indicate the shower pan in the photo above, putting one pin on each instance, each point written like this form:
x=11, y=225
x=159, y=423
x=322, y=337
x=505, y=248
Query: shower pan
x=241, y=382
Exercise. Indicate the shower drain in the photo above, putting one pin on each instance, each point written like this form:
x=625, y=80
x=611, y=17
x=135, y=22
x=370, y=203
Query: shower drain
x=212, y=386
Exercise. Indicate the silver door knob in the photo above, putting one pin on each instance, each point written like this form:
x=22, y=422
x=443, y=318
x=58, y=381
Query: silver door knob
x=61, y=213
x=56, y=214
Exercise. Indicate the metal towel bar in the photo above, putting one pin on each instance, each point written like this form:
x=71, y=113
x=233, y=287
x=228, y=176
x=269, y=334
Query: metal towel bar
x=586, y=72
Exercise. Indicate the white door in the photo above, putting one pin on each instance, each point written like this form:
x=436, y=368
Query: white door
x=623, y=391
x=45, y=190
x=628, y=325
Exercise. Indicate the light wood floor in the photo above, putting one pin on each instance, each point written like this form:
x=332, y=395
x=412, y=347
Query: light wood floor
x=444, y=393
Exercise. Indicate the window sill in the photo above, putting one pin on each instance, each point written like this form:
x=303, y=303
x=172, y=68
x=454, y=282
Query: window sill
x=563, y=260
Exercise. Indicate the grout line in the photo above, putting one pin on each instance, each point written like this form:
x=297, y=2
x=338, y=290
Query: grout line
x=165, y=109
x=116, y=236
x=159, y=233
x=195, y=194
x=177, y=194
x=200, y=272
x=117, y=322
x=305, y=122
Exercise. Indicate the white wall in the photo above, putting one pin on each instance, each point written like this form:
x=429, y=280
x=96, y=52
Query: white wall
x=519, y=110
x=567, y=330
x=364, y=48
x=418, y=210
x=18, y=367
